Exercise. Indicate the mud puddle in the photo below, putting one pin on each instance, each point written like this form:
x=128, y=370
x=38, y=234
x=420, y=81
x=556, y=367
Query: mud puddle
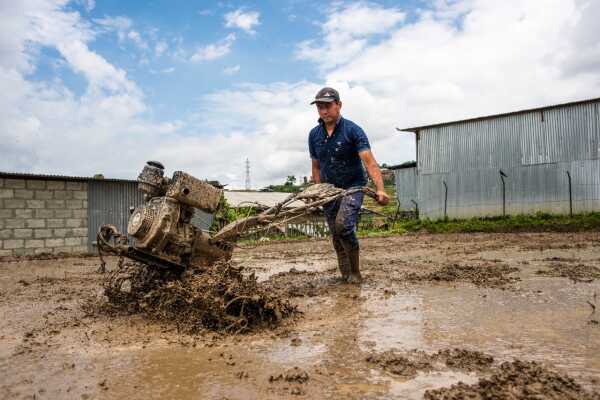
x=334, y=341
x=49, y=348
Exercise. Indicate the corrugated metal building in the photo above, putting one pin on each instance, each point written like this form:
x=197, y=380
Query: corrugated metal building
x=544, y=159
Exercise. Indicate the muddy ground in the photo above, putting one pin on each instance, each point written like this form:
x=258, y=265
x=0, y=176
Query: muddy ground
x=434, y=310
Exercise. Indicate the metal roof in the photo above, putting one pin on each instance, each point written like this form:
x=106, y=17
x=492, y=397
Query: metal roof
x=417, y=128
x=49, y=177
x=404, y=165
x=245, y=199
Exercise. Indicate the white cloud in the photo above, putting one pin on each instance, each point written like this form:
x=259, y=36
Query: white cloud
x=44, y=127
x=270, y=127
x=118, y=24
x=215, y=50
x=240, y=19
x=346, y=32
x=452, y=60
x=88, y=5
x=160, y=48
x=122, y=26
x=457, y=59
x=137, y=39
x=234, y=69
x=498, y=57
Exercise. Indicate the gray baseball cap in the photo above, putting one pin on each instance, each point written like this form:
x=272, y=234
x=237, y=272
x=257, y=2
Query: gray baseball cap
x=326, y=95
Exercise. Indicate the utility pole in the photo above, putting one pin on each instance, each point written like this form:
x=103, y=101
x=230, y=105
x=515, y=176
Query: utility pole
x=247, y=174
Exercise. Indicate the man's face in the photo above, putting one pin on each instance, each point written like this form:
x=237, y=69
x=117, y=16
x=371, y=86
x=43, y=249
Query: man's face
x=329, y=112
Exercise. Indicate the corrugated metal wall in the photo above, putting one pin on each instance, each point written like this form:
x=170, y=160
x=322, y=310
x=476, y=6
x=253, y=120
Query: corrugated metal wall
x=202, y=220
x=535, y=150
x=406, y=187
x=109, y=202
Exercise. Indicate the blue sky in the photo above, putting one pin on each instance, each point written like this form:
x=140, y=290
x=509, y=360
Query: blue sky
x=172, y=84
x=95, y=86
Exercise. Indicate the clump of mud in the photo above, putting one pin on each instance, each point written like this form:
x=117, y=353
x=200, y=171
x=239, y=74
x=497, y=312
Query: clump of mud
x=517, y=380
x=488, y=275
x=218, y=298
x=295, y=283
x=409, y=364
x=296, y=375
x=575, y=272
x=406, y=366
x=465, y=360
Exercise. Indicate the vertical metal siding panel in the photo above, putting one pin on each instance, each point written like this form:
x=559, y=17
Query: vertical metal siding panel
x=565, y=134
x=202, y=220
x=109, y=203
x=406, y=187
x=586, y=185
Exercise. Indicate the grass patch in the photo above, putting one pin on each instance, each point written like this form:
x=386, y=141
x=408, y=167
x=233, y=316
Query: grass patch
x=540, y=222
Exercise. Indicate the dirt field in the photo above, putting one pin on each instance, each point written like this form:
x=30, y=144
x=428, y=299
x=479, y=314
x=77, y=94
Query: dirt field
x=495, y=297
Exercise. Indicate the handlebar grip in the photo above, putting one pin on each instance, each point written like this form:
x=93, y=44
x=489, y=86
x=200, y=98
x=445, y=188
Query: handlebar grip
x=370, y=192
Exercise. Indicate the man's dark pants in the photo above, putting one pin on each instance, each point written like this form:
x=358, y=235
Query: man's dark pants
x=342, y=217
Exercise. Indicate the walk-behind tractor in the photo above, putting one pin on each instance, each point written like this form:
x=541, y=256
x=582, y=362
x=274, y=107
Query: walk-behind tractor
x=160, y=232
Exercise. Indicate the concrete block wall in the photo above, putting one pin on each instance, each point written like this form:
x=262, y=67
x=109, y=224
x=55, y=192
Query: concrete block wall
x=42, y=216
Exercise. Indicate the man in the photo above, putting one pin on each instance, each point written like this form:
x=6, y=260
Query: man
x=338, y=149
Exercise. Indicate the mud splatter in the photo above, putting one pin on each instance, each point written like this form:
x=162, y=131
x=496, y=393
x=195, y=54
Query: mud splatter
x=517, y=380
x=220, y=298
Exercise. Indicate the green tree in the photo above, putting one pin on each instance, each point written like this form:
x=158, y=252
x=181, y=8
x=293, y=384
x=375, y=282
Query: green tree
x=291, y=180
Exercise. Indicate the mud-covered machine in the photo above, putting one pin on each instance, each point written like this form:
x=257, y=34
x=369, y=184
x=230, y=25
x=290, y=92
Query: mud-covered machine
x=161, y=232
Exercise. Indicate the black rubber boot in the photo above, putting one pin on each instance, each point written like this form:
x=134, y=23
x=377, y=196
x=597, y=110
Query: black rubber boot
x=342, y=257
x=353, y=253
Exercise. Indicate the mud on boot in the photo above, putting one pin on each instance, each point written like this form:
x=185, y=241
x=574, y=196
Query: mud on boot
x=353, y=253
x=342, y=258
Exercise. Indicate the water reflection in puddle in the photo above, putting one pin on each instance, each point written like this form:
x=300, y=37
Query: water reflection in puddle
x=395, y=322
x=305, y=354
x=414, y=389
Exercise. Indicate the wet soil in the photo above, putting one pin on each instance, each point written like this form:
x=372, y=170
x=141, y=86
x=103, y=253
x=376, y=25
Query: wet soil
x=487, y=274
x=489, y=301
x=517, y=380
x=571, y=268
